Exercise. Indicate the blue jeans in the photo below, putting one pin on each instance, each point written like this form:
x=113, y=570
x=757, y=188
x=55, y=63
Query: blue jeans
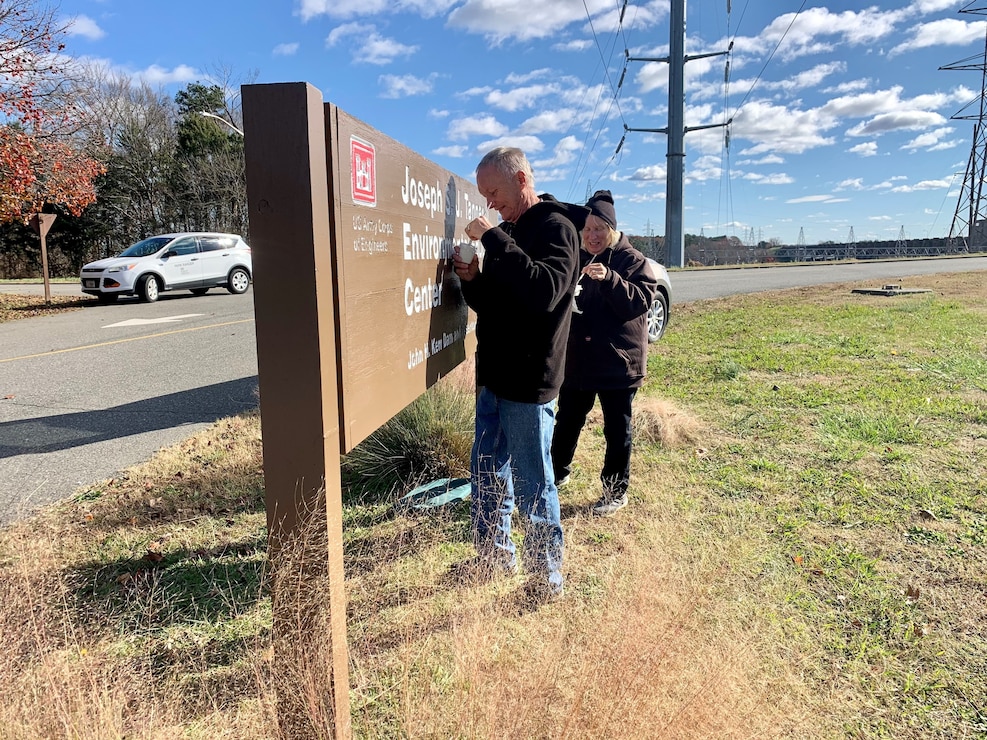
x=511, y=460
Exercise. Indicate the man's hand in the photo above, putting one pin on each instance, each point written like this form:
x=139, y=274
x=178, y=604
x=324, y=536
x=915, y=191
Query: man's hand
x=465, y=270
x=595, y=271
x=478, y=227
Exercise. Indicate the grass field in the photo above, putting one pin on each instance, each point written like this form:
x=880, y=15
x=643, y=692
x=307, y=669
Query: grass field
x=802, y=557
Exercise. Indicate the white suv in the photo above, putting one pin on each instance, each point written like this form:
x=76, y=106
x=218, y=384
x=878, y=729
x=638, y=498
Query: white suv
x=189, y=261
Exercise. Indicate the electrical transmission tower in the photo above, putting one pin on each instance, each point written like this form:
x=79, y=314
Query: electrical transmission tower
x=800, y=246
x=851, y=246
x=901, y=245
x=970, y=220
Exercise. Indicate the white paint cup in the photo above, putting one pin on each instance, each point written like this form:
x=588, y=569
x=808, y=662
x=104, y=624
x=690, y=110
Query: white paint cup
x=466, y=252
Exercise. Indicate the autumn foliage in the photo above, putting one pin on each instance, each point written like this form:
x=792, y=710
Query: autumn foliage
x=40, y=163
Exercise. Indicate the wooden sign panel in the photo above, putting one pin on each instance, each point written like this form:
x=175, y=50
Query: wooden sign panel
x=403, y=322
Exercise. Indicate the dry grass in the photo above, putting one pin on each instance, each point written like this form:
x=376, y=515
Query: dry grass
x=769, y=578
x=659, y=421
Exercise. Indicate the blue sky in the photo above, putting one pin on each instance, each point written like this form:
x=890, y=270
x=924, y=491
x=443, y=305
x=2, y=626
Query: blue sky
x=841, y=115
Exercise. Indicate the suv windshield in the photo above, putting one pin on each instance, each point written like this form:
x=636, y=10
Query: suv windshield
x=145, y=248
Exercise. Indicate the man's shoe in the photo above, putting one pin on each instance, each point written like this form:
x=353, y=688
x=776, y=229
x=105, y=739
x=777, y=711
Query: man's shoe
x=563, y=481
x=609, y=504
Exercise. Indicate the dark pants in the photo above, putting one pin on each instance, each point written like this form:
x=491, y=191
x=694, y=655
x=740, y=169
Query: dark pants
x=569, y=420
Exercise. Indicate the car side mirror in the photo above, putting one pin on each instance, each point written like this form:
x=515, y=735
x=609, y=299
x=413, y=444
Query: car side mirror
x=170, y=253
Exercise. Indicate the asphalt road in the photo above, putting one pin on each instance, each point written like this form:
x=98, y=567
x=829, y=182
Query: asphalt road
x=88, y=393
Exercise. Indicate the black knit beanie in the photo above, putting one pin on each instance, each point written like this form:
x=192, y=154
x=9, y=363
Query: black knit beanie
x=601, y=206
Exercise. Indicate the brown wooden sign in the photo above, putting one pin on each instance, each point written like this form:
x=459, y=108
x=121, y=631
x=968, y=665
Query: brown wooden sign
x=403, y=321
x=357, y=312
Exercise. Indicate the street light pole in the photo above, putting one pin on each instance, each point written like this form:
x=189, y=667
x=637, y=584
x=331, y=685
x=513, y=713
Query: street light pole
x=221, y=120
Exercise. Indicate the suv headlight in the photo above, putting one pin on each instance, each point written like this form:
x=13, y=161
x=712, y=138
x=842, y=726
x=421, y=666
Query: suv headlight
x=123, y=268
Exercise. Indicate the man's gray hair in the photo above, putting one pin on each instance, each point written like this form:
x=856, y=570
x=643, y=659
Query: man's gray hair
x=508, y=160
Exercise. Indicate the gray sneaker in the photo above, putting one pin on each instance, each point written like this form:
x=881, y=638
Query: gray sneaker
x=563, y=481
x=609, y=504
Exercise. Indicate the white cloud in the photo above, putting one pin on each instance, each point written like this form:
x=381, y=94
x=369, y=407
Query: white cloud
x=775, y=128
x=309, y=9
x=849, y=87
x=864, y=149
x=651, y=173
x=564, y=153
x=285, y=50
x=530, y=144
x=404, y=86
x=769, y=159
x=456, y=152
x=573, y=45
x=908, y=120
x=522, y=20
x=817, y=30
x=776, y=178
x=923, y=7
x=348, y=29
x=646, y=197
x=482, y=125
x=943, y=32
x=520, y=97
x=808, y=78
x=555, y=120
x=155, y=75
x=811, y=199
x=924, y=185
x=83, y=25
x=372, y=47
x=928, y=140
x=515, y=78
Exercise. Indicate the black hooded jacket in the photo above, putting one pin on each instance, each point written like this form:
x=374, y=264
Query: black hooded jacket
x=523, y=301
x=608, y=339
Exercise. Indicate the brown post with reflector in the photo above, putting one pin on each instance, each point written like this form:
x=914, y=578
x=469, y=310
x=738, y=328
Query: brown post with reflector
x=41, y=223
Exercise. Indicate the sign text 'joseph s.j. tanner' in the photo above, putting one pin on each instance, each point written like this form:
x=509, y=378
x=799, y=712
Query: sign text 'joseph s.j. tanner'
x=358, y=312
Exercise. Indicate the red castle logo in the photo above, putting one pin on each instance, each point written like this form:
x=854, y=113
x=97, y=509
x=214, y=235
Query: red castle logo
x=364, y=178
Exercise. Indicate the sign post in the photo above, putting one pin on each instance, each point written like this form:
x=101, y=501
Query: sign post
x=41, y=223
x=294, y=297
x=358, y=312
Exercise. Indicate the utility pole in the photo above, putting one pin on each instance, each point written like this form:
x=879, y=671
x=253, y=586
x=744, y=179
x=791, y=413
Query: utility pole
x=676, y=130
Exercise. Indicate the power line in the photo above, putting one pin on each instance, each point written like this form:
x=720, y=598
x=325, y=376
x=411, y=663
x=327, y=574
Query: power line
x=770, y=57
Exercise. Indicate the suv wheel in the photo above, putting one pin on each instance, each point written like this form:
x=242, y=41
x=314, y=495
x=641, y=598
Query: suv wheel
x=238, y=281
x=148, y=289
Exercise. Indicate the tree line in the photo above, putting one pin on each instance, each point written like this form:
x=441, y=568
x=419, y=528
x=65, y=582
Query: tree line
x=115, y=160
